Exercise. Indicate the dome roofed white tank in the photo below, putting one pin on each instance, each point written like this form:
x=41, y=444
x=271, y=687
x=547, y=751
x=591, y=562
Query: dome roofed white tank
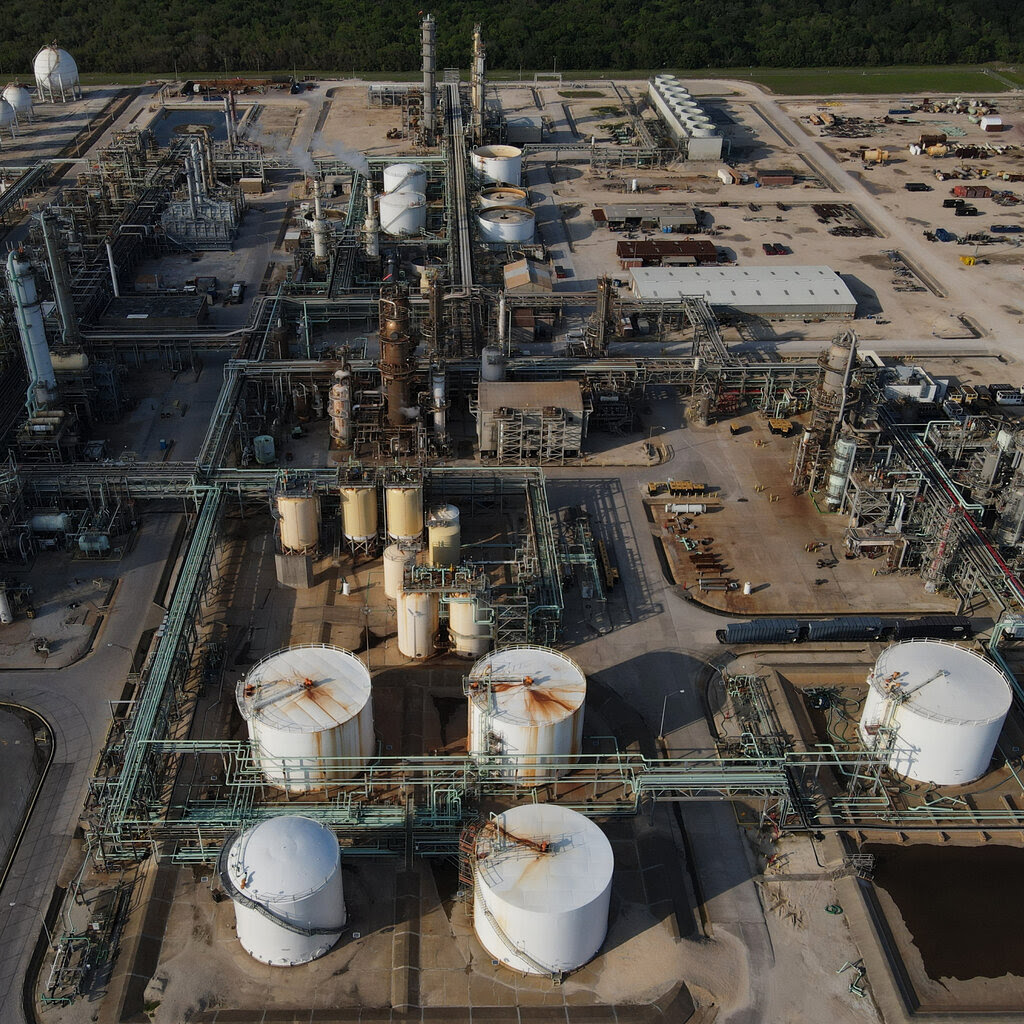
x=942, y=706
x=306, y=705
x=526, y=703
x=284, y=877
x=542, y=884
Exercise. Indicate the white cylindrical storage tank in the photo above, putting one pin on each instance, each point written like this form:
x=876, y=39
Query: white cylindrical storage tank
x=417, y=623
x=503, y=195
x=395, y=560
x=263, y=449
x=306, y=704
x=403, y=507
x=498, y=163
x=942, y=706
x=403, y=213
x=284, y=877
x=492, y=363
x=526, y=703
x=300, y=523
x=505, y=224
x=56, y=74
x=542, y=881
x=405, y=178
x=359, y=513
x=469, y=625
x=444, y=536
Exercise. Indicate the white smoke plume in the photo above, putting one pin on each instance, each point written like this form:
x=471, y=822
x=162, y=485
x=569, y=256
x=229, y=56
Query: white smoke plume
x=411, y=412
x=353, y=157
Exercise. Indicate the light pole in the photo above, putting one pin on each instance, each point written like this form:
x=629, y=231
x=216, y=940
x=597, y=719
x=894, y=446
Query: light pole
x=664, y=708
x=113, y=643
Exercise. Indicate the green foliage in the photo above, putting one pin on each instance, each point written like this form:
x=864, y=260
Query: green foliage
x=140, y=36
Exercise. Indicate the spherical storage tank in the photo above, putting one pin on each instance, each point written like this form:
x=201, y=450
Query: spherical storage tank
x=505, y=224
x=444, y=536
x=359, y=513
x=56, y=73
x=304, y=704
x=946, y=704
x=405, y=178
x=20, y=99
x=417, y=623
x=284, y=877
x=503, y=164
x=503, y=195
x=396, y=559
x=300, y=523
x=526, y=701
x=542, y=879
x=402, y=213
x=8, y=118
x=403, y=506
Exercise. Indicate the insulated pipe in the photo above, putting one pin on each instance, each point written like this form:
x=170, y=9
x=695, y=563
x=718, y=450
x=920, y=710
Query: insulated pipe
x=502, y=314
x=113, y=270
x=65, y=306
x=319, y=224
x=22, y=285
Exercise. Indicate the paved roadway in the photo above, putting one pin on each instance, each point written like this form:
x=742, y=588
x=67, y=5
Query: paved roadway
x=74, y=702
x=661, y=643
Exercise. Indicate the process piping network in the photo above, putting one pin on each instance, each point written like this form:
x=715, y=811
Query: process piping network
x=999, y=578
x=458, y=196
x=426, y=796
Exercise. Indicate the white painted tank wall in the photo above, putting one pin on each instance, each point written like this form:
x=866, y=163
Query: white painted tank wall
x=291, y=865
x=405, y=178
x=946, y=725
x=293, y=727
x=505, y=224
x=469, y=626
x=554, y=905
x=502, y=164
x=527, y=720
x=402, y=213
x=395, y=560
x=444, y=536
x=417, y=623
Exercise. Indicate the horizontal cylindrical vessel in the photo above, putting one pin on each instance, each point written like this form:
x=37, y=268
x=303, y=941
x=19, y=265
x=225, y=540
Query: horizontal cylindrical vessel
x=403, y=213
x=503, y=195
x=284, y=877
x=300, y=523
x=403, y=507
x=395, y=561
x=417, y=623
x=542, y=880
x=305, y=707
x=937, y=708
x=405, y=178
x=444, y=536
x=505, y=224
x=498, y=163
x=359, y=513
x=526, y=705
x=469, y=625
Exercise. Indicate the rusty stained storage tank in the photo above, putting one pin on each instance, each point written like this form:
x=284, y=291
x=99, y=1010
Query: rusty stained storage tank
x=305, y=705
x=542, y=879
x=526, y=703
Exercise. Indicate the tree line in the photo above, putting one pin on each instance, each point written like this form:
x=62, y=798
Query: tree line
x=350, y=36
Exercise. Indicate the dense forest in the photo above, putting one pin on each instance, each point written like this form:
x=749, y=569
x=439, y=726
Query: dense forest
x=370, y=36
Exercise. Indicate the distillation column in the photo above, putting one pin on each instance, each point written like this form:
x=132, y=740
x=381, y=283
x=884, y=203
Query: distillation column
x=396, y=359
x=429, y=115
x=478, y=85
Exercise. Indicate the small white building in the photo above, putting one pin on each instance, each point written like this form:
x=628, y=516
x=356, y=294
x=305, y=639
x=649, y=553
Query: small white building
x=764, y=291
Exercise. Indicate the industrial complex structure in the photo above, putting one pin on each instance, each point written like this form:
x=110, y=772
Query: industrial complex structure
x=424, y=455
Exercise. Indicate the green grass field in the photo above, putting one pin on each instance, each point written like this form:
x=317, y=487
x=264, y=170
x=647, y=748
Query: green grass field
x=910, y=81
